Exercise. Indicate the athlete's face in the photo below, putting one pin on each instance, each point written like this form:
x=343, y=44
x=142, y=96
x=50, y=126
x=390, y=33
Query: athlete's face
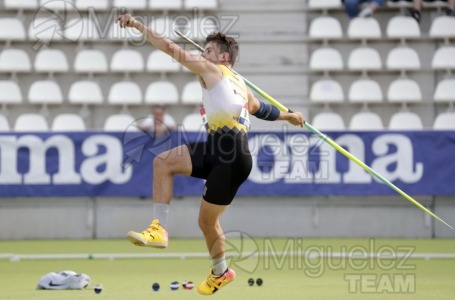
x=213, y=54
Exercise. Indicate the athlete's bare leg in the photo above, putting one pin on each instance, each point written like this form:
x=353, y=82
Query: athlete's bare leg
x=209, y=222
x=165, y=166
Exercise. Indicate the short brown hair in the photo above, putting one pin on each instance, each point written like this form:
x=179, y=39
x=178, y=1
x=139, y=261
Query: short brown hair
x=225, y=44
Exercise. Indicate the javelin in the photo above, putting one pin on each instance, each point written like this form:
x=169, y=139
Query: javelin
x=330, y=141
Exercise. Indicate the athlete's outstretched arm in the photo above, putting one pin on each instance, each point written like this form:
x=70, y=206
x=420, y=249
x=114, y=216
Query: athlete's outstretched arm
x=269, y=112
x=197, y=65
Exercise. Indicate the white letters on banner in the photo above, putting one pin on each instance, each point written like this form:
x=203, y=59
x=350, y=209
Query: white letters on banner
x=111, y=160
x=291, y=159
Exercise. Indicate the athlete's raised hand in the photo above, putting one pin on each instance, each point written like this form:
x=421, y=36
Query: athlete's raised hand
x=126, y=20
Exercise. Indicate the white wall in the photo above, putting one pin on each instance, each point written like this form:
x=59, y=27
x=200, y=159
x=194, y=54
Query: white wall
x=75, y=218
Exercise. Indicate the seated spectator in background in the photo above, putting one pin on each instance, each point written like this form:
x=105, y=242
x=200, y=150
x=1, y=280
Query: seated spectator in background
x=416, y=12
x=352, y=7
x=158, y=121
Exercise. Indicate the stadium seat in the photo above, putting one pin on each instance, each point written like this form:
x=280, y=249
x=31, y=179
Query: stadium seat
x=127, y=60
x=165, y=4
x=90, y=61
x=326, y=59
x=85, y=92
x=404, y=90
x=123, y=35
x=125, y=93
x=45, y=29
x=364, y=59
x=364, y=29
x=10, y=92
x=366, y=120
x=193, y=122
x=31, y=122
x=192, y=93
x=200, y=4
x=120, y=122
x=82, y=29
x=445, y=91
x=324, y=4
x=161, y=92
x=199, y=28
x=444, y=58
x=402, y=27
x=442, y=27
x=399, y=3
x=21, y=4
x=435, y=4
x=326, y=91
x=445, y=121
x=365, y=91
x=45, y=92
x=163, y=25
x=51, y=60
x=158, y=61
x=328, y=121
x=66, y=5
x=4, y=124
x=131, y=4
x=87, y=4
x=403, y=59
x=68, y=122
x=405, y=120
x=15, y=60
x=325, y=28
x=11, y=29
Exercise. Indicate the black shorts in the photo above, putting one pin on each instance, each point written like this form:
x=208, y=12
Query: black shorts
x=225, y=162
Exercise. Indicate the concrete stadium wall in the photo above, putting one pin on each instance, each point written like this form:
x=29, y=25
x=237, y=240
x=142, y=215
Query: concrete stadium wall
x=80, y=218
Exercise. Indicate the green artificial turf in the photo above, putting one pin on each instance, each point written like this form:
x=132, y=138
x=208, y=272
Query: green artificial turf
x=286, y=271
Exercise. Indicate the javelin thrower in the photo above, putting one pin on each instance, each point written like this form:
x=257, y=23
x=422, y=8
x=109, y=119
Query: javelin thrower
x=224, y=160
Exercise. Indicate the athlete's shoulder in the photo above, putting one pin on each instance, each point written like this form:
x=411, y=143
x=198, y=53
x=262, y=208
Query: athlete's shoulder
x=229, y=73
x=223, y=68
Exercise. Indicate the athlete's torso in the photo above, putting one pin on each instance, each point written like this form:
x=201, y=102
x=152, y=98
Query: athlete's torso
x=226, y=104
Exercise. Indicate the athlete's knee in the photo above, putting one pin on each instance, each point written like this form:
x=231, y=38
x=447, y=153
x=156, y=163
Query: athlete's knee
x=165, y=161
x=160, y=163
x=207, y=224
x=175, y=161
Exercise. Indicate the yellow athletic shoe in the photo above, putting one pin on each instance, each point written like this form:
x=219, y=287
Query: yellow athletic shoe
x=213, y=283
x=155, y=236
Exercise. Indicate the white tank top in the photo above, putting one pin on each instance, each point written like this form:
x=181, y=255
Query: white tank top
x=226, y=104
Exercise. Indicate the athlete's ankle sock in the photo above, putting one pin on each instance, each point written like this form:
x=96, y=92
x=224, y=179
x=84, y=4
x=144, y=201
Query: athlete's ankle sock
x=219, y=266
x=161, y=212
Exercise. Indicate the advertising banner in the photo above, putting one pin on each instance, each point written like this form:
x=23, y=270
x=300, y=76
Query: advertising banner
x=284, y=164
